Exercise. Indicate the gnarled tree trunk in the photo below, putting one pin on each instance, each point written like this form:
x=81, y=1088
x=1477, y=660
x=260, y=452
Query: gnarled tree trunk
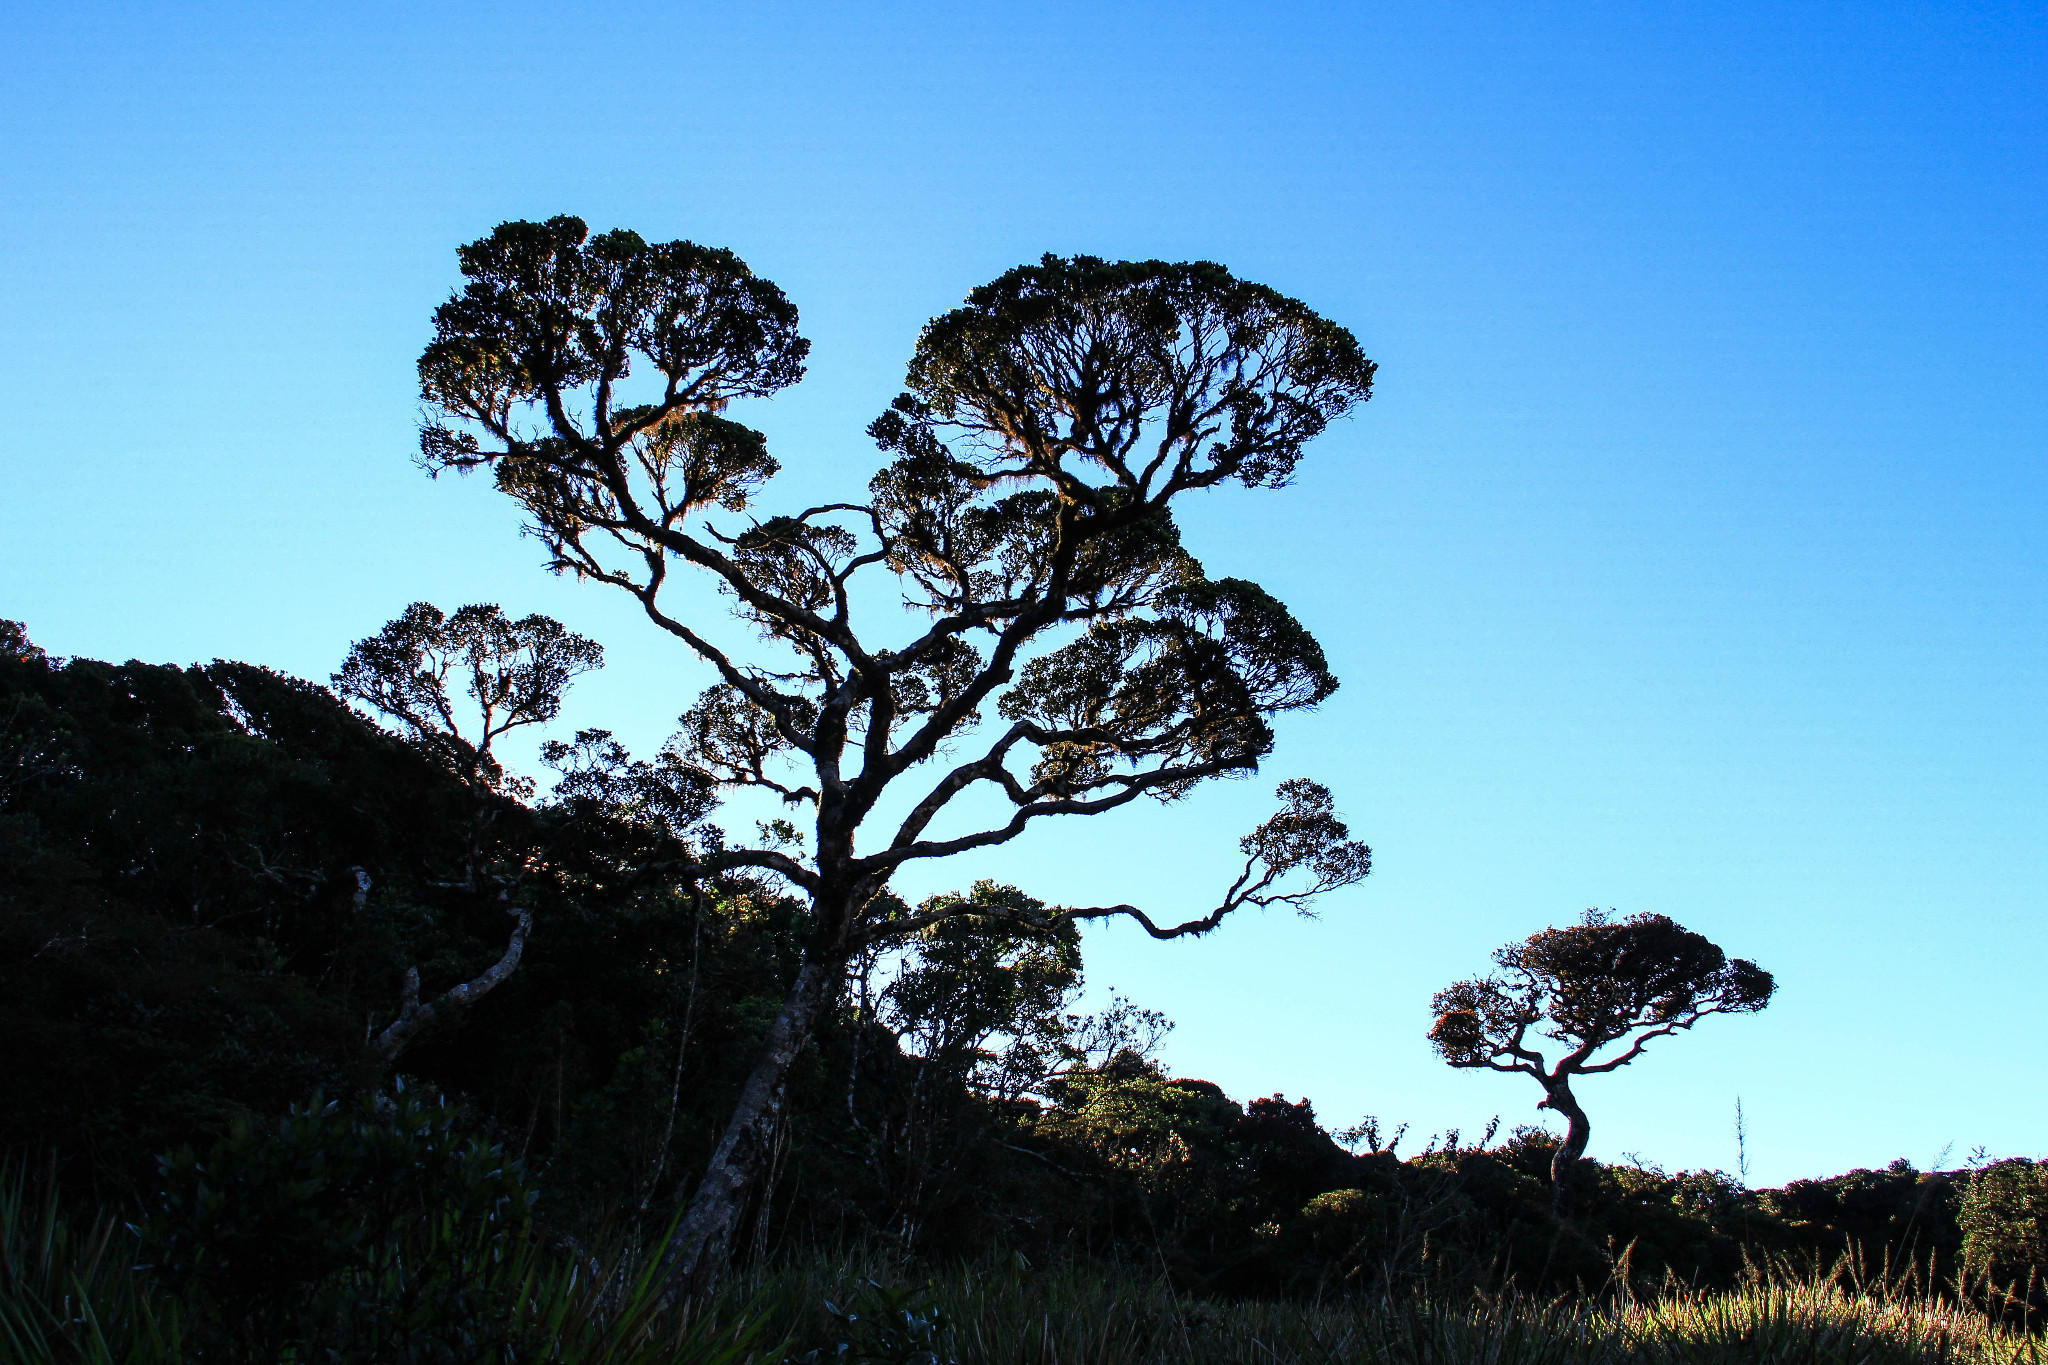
x=697, y=1256
x=1564, y=1166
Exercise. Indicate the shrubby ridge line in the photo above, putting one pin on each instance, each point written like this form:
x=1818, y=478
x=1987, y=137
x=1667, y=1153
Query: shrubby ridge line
x=185, y=948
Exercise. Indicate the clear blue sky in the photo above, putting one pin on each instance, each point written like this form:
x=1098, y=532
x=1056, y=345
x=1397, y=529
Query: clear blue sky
x=1690, y=558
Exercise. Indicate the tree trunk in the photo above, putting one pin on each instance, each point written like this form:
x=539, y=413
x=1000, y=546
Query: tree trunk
x=1564, y=1167
x=698, y=1254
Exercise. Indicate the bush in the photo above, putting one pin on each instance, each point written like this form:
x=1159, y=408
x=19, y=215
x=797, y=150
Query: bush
x=379, y=1230
x=2004, y=1221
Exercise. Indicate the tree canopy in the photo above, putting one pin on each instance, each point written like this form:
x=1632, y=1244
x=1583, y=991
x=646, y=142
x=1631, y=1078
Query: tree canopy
x=1055, y=641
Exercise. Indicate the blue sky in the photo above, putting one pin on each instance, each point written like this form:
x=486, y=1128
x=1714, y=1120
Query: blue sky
x=1689, y=559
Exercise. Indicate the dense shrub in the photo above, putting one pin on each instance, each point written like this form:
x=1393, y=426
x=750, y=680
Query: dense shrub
x=2004, y=1224
x=379, y=1225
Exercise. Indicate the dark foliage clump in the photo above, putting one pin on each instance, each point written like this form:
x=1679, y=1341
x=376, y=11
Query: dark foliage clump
x=380, y=1229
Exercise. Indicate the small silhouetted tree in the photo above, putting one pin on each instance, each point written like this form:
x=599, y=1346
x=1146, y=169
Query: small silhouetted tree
x=456, y=685
x=1594, y=985
x=1035, y=631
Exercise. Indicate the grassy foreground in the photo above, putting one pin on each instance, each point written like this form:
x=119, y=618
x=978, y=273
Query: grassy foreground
x=1093, y=1316
x=70, y=1293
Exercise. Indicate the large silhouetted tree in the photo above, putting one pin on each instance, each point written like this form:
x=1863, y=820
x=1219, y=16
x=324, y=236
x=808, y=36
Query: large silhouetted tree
x=1588, y=986
x=1052, y=642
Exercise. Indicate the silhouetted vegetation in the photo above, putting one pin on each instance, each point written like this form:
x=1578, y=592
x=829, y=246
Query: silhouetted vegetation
x=341, y=1040
x=1589, y=986
x=193, y=968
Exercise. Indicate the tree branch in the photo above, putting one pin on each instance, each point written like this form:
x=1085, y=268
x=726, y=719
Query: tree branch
x=1636, y=1049
x=690, y=869
x=413, y=1016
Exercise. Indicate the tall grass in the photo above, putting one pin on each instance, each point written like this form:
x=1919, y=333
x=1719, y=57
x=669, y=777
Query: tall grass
x=68, y=1292
x=69, y=1295
x=1086, y=1315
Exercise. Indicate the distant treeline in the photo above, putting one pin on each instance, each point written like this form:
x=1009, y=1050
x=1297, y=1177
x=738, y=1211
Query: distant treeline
x=213, y=881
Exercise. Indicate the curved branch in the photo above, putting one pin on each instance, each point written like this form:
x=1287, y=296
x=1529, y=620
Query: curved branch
x=910, y=924
x=1029, y=807
x=767, y=698
x=688, y=548
x=1494, y=1064
x=413, y=1016
x=767, y=859
x=1527, y=1054
x=989, y=838
x=1635, y=1050
x=1247, y=889
x=955, y=782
